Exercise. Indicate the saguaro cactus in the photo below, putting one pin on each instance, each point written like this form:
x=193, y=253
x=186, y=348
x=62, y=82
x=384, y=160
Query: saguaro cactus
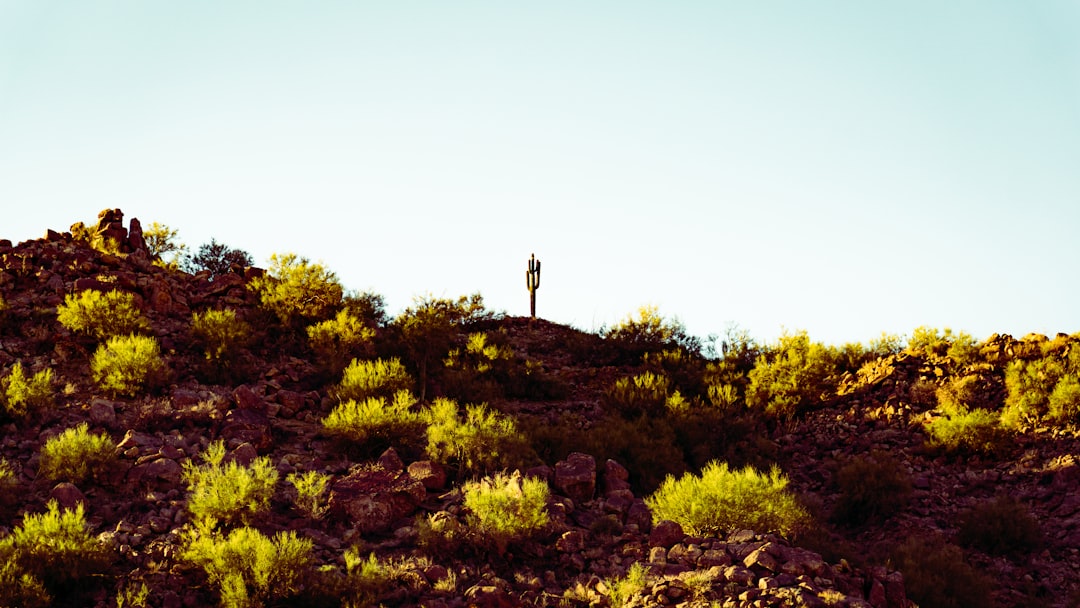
x=532, y=281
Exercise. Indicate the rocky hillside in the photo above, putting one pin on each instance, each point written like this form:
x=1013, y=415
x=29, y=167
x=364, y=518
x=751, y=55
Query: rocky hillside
x=600, y=453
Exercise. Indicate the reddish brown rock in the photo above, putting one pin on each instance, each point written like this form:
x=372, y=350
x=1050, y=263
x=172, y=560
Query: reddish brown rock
x=372, y=498
x=575, y=477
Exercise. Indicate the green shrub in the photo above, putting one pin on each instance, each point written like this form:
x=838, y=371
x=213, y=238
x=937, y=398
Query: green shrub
x=1028, y=387
x=440, y=533
x=963, y=350
x=76, y=454
x=872, y=488
x=20, y=394
x=229, y=492
x=161, y=240
x=504, y=509
x=480, y=441
x=1064, y=401
x=9, y=480
x=376, y=423
x=649, y=331
x=220, y=333
x=337, y=341
x=378, y=378
x=310, y=492
x=54, y=548
x=621, y=590
x=973, y=432
x=297, y=290
x=371, y=581
x=789, y=376
x=431, y=327
x=101, y=315
x=721, y=500
x=126, y=365
x=132, y=596
x=1002, y=526
x=644, y=393
x=959, y=395
x=18, y=587
x=248, y=569
x=936, y=575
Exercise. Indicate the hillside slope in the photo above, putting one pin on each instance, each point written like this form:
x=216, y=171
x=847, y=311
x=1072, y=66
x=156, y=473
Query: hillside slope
x=599, y=451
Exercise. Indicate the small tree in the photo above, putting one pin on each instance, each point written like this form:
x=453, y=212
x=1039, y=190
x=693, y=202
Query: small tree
x=218, y=258
x=298, y=290
x=432, y=326
x=789, y=376
x=161, y=240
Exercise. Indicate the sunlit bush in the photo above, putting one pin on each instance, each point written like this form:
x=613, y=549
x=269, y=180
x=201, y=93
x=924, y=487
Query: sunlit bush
x=339, y=340
x=633, y=396
x=379, y=378
x=220, y=333
x=310, y=492
x=50, y=550
x=76, y=454
x=127, y=365
x=966, y=433
x=101, y=315
x=504, y=509
x=721, y=500
x=478, y=440
x=649, y=331
x=249, y=569
x=1029, y=385
x=376, y=423
x=20, y=395
x=229, y=492
x=298, y=290
x=789, y=376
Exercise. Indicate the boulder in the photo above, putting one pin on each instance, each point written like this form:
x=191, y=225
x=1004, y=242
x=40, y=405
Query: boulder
x=372, y=498
x=575, y=477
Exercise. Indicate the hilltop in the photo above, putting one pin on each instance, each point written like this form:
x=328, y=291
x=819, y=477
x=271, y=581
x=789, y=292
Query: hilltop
x=232, y=412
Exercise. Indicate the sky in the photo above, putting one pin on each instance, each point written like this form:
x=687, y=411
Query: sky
x=841, y=167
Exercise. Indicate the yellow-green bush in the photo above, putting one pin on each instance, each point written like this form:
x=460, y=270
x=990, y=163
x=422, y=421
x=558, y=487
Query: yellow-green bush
x=621, y=590
x=19, y=395
x=50, y=550
x=337, y=341
x=430, y=328
x=965, y=433
x=722, y=500
x=504, y=509
x=249, y=569
x=310, y=492
x=645, y=393
x=872, y=488
x=220, y=333
x=378, y=378
x=128, y=365
x=479, y=441
x=789, y=376
x=376, y=423
x=1064, y=402
x=1002, y=526
x=1029, y=385
x=649, y=331
x=101, y=314
x=229, y=492
x=76, y=454
x=298, y=290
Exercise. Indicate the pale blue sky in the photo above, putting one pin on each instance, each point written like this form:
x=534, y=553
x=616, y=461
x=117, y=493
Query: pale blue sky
x=846, y=168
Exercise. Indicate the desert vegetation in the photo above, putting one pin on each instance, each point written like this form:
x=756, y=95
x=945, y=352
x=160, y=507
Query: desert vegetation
x=184, y=429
